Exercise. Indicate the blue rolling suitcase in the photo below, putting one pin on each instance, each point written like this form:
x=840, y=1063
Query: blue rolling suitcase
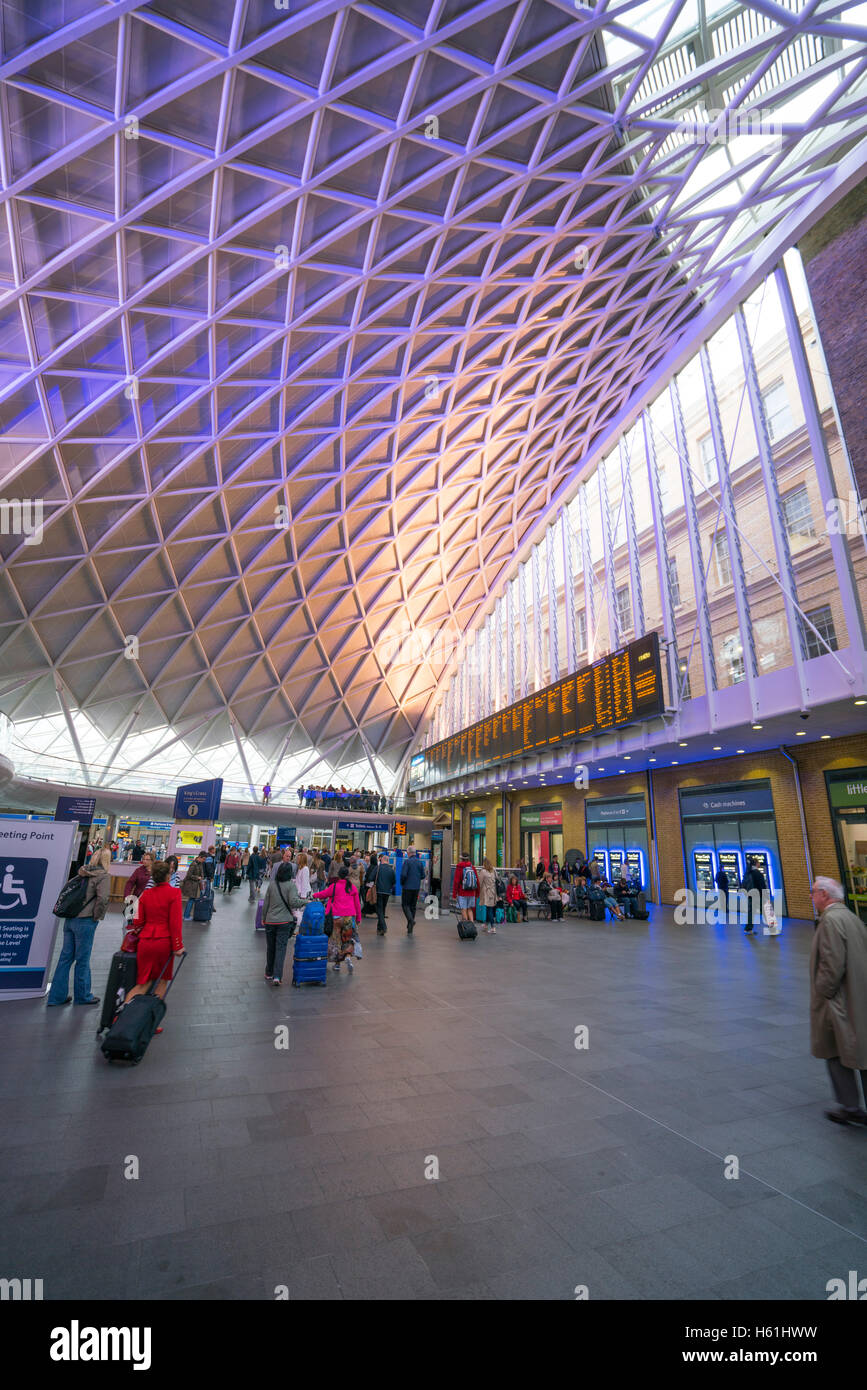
x=310, y=962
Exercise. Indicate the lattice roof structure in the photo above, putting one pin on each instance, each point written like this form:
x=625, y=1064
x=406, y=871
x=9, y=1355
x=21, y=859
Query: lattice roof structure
x=309, y=312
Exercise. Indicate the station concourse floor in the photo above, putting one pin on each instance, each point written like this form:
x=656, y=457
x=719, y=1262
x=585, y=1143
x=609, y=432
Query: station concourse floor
x=558, y=1167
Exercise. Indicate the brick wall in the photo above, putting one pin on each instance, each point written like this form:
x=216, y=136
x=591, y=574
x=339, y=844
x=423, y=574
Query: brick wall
x=835, y=254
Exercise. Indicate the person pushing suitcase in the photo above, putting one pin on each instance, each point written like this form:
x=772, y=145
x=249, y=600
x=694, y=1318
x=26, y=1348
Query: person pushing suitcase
x=159, y=926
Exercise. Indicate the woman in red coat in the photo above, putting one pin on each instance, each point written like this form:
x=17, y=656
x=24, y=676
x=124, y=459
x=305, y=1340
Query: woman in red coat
x=159, y=926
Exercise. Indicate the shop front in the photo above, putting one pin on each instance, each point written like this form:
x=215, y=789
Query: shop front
x=617, y=838
x=725, y=827
x=847, y=795
x=541, y=830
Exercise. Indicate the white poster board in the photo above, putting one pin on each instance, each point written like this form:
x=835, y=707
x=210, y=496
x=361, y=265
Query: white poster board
x=34, y=865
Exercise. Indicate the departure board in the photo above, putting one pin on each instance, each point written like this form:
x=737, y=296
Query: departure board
x=619, y=689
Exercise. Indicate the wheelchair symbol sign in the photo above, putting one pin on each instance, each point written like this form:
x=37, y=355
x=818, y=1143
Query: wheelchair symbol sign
x=21, y=883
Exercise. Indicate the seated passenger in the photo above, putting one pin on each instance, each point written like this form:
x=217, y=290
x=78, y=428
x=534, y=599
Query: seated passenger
x=609, y=898
x=516, y=899
x=625, y=896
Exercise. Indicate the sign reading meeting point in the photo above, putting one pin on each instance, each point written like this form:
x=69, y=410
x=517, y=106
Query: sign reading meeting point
x=35, y=859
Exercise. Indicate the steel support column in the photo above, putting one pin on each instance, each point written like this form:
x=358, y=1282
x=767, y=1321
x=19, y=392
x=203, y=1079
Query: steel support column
x=538, y=654
x=693, y=531
x=553, y=636
x=824, y=472
x=733, y=539
x=571, y=657
x=587, y=566
x=638, y=621
x=662, y=556
x=614, y=634
x=779, y=533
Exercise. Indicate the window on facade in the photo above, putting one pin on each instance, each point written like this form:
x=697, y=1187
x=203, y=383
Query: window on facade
x=732, y=654
x=624, y=608
x=722, y=559
x=683, y=683
x=674, y=582
x=823, y=620
x=707, y=455
x=581, y=630
x=797, y=512
x=777, y=412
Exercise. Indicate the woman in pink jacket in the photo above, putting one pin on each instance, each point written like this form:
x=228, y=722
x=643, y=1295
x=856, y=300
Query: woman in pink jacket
x=341, y=898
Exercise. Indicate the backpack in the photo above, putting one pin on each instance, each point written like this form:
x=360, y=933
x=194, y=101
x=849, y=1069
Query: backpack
x=72, y=897
x=468, y=878
x=312, y=918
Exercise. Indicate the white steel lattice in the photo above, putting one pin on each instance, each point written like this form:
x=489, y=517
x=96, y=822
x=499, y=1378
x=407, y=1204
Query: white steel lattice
x=309, y=314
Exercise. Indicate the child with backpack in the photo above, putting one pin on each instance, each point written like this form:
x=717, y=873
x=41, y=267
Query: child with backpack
x=465, y=888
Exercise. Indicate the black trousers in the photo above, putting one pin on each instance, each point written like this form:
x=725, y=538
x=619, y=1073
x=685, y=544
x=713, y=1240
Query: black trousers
x=381, y=905
x=276, y=941
x=408, y=900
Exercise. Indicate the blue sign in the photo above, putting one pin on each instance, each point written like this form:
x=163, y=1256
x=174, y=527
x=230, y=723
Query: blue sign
x=199, y=801
x=708, y=804
x=21, y=884
x=601, y=812
x=80, y=808
x=375, y=827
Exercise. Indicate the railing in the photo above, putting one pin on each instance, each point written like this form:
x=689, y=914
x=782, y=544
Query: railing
x=40, y=767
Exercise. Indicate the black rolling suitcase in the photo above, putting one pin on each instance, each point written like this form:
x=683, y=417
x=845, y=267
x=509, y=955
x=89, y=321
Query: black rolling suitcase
x=597, y=907
x=204, y=904
x=121, y=979
x=128, y=1038
x=466, y=930
x=641, y=913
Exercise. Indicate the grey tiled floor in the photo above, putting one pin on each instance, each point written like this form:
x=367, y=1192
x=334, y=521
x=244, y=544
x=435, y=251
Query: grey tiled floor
x=307, y=1167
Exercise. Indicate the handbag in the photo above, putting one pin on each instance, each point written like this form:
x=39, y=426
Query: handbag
x=328, y=925
x=358, y=952
x=130, y=941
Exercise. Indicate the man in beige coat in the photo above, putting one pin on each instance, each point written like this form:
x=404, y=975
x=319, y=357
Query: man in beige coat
x=838, y=999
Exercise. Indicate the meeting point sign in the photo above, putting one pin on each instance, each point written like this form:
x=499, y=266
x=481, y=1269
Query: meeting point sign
x=35, y=859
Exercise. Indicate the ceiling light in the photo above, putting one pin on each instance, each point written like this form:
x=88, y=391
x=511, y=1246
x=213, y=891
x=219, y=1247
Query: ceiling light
x=739, y=750
x=826, y=735
x=627, y=757
x=758, y=726
x=682, y=745
x=675, y=763
x=651, y=760
x=801, y=733
x=861, y=702
x=717, y=748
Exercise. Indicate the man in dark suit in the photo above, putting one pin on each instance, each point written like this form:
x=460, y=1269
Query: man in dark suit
x=411, y=879
x=385, y=884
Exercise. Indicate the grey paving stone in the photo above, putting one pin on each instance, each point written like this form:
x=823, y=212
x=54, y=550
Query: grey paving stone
x=307, y=1167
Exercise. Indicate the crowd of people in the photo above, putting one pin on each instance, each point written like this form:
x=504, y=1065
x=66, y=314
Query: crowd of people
x=344, y=799
x=353, y=884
